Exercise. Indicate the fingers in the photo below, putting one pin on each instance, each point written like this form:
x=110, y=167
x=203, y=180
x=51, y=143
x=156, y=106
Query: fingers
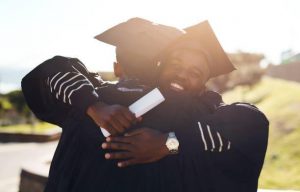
x=117, y=125
x=120, y=122
x=114, y=118
x=123, y=121
x=135, y=132
x=118, y=155
x=121, y=118
x=127, y=163
x=120, y=139
x=109, y=128
x=132, y=133
x=128, y=115
x=117, y=146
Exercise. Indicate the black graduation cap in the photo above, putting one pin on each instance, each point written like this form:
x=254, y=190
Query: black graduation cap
x=202, y=37
x=140, y=37
x=138, y=42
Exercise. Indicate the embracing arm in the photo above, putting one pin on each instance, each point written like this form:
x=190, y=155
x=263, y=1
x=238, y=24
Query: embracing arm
x=245, y=126
x=72, y=88
x=67, y=81
x=234, y=137
x=233, y=134
x=61, y=85
x=48, y=91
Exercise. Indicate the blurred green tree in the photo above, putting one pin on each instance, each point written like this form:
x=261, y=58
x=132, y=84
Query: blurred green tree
x=248, y=72
x=16, y=98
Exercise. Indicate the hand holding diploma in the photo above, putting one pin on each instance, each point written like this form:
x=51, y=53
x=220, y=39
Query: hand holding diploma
x=115, y=119
x=143, y=105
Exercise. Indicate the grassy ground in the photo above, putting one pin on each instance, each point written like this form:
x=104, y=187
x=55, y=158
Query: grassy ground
x=5, y=104
x=280, y=101
x=26, y=128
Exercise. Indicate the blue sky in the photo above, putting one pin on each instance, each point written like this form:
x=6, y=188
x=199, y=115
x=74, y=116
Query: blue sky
x=34, y=30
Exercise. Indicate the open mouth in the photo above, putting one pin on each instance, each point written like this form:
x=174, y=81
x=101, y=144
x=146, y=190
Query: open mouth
x=176, y=87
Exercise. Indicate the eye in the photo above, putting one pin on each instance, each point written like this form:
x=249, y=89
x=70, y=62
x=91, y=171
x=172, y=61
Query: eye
x=195, y=73
x=173, y=65
x=176, y=65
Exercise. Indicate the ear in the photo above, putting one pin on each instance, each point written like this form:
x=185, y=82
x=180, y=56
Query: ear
x=118, y=70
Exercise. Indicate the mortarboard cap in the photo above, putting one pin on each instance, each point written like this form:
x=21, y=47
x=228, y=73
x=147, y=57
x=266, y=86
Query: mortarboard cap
x=202, y=37
x=138, y=42
x=140, y=36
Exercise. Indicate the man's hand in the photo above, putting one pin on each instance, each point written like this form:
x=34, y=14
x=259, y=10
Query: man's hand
x=142, y=145
x=114, y=118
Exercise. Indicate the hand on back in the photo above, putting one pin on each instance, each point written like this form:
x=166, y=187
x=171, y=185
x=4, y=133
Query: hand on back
x=114, y=118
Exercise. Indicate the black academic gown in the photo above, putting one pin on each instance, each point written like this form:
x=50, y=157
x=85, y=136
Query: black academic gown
x=79, y=164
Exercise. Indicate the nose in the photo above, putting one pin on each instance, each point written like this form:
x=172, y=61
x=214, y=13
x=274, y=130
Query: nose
x=182, y=75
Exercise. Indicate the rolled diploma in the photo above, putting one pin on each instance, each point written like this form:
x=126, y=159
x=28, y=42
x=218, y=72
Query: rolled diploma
x=143, y=105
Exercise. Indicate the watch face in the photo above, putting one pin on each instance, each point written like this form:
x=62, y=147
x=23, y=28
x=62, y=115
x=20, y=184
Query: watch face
x=173, y=143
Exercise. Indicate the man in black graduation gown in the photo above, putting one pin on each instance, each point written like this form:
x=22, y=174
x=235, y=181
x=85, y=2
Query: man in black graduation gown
x=220, y=142
x=208, y=150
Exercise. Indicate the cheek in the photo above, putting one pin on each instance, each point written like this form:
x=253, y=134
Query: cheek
x=197, y=85
x=163, y=77
x=166, y=75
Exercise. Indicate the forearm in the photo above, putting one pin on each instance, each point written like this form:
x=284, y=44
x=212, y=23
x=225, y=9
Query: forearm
x=72, y=88
x=201, y=138
x=48, y=90
x=71, y=83
x=246, y=128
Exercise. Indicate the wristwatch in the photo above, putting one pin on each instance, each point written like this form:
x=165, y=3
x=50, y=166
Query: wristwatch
x=172, y=143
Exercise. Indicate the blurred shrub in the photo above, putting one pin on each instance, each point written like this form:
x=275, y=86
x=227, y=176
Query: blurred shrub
x=248, y=72
x=14, y=110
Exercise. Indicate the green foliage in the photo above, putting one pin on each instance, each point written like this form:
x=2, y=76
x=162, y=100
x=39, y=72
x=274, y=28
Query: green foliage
x=4, y=104
x=13, y=108
x=18, y=101
x=41, y=127
x=280, y=101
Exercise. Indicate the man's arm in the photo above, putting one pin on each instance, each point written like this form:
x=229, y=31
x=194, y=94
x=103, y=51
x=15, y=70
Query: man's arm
x=245, y=126
x=46, y=88
x=62, y=84
x=143, y=145
x=229, y=132
x=73, y=87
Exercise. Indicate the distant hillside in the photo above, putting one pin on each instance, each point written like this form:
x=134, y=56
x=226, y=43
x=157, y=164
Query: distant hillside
x=280, y=101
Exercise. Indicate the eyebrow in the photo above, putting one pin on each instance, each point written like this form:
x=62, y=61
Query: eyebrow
x=201, y=73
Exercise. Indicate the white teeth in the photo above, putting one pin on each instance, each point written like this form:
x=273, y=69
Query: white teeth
x=177, y=86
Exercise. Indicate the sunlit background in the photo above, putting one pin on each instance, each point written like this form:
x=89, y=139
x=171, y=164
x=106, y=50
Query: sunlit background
x=33, y=31
x=262, y=34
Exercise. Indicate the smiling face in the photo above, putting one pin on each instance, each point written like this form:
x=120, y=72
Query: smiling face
x=184, y=70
